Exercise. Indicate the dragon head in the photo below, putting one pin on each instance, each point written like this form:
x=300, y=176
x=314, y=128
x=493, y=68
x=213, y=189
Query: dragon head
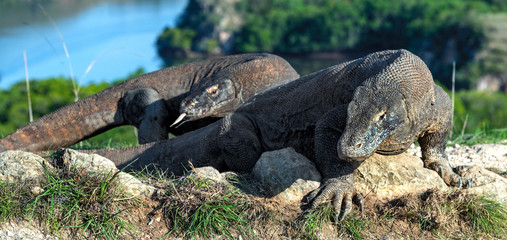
x=373, y=118
x=213, y=96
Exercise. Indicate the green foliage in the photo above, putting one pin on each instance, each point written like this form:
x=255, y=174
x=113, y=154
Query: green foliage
x=442, y=29
x=474, y=110
x=49, y=95
x=173, y=39
x=439, y=31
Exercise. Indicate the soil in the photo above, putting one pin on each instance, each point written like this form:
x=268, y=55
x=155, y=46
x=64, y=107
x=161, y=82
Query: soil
x=490, y=156
x=409, y=217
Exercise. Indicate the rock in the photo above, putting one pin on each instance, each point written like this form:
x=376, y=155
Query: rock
x=484, y=155
x=18, y=166
x=287, y=174
x=485, y=182
x=389, y=177
x=93, y=163
x=207, y=173
x=22, y=230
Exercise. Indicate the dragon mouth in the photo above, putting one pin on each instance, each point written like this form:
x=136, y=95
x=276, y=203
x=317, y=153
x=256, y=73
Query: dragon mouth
x=179, y=119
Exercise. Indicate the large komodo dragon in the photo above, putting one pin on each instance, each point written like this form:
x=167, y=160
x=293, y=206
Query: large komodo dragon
x=336, y=117
x=151, y=102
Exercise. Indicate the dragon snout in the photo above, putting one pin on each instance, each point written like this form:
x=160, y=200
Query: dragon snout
x=355, y=148
x=355, y=152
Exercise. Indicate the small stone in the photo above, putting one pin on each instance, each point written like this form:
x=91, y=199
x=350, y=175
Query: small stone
x=207, y=173
x=37, y=190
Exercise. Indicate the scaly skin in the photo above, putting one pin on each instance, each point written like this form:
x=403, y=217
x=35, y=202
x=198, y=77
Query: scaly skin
x=337, y=117
x=151, y=102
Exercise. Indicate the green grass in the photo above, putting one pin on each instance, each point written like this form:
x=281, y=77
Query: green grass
x=485, y=215
x=446, y=214
x=12, y=198
x=481, y=136
x=217, y=209
x=314, y=220
x=84, y=204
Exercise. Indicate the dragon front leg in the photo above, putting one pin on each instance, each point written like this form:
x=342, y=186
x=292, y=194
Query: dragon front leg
x=338, y=183
x=435, y=158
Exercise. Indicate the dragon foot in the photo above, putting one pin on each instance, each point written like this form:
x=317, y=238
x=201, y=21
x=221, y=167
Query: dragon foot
x=341, y=193
x=448, y=175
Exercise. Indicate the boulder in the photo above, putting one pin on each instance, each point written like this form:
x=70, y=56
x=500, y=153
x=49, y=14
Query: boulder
x=93, y=163
x=389, y=177
x=18, y=166
x=286, y=174
x=485, y=182
x=21, y=230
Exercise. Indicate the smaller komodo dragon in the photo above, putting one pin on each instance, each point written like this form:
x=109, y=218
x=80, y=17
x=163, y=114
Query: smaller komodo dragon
x=151, y=102
x=337, y=117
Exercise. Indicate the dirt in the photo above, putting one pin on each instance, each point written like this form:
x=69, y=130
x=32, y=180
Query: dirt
x=416, y=216
x=490, y=156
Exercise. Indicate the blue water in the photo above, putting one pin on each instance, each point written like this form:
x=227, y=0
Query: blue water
x=110, y=39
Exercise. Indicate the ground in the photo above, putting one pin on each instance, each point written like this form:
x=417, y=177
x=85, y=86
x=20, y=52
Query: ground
x=231, y=211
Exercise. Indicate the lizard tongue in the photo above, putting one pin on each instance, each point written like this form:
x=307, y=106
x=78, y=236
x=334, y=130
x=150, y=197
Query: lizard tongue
x=179, y=119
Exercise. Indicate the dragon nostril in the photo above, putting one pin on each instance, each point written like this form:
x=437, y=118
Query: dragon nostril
x=357, y=146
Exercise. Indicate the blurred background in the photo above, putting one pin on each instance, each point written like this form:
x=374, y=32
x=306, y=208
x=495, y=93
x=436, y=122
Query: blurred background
x=76, y=48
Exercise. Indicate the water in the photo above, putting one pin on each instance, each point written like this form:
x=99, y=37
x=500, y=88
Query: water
x=105, y=40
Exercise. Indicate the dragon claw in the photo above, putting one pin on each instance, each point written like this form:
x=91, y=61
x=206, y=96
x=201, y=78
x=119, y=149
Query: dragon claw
x=341, y=195
x=359, y=201
x=346, y=207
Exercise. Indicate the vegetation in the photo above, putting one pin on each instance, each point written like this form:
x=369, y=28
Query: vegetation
x=47, y=96
x=216, y=209
x=75, y=204
x=478, y=116
x=439, y=31
x=87, y=205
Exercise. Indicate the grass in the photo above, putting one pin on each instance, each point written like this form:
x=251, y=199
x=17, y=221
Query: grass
x=450, y=215
x=481, y=136
x=77, y=205
x=85, y=205
x=216, y=209
x=486, y=216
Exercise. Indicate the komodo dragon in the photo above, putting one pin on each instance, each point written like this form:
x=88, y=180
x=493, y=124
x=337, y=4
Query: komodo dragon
x=151, y=102
x=337, y=117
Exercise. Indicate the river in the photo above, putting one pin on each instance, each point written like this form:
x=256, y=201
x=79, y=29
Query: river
x=105, y=40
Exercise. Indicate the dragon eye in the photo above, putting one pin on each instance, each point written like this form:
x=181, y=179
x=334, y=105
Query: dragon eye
x=382, y=117
x=212, y=90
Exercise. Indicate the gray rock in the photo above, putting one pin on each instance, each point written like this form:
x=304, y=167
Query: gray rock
x=18, y=166
x=389, y=177
x=286, y=174
x=485, y=183
x=207, y=173
x=21, y=231
x=93, y=163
